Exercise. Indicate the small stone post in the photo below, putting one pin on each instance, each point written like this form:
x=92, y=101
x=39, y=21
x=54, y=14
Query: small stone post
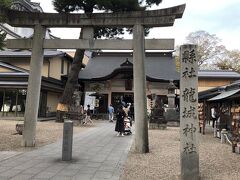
x=67, y=140
x=34, y=86
x=140, y=99
x=189, y=148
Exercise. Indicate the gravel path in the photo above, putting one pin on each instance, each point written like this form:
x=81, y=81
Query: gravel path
x=46, y=133
x=217, y=162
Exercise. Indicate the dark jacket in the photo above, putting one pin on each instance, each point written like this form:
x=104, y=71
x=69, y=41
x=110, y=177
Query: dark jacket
x=88, y=112
x=120, y=121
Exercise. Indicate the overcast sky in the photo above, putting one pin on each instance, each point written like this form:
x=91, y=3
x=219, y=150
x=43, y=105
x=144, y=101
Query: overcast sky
x=219, y=17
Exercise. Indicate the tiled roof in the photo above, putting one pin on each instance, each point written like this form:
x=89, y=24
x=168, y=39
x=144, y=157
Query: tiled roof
x=159, y=66
x=27, y=5
x=218, y=74
x=27, y=53
x=8, y=31
x=12, y=67
x=226, y=91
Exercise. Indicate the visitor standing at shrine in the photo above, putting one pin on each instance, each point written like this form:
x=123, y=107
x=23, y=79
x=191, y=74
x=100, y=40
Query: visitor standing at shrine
x=214, y=115
x=120, y=121
x=88, y=116
x=111, y=112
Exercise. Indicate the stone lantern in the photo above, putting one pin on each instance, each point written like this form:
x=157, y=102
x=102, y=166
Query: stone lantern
x=171, y=94
x=171, y=114
x=157, y=120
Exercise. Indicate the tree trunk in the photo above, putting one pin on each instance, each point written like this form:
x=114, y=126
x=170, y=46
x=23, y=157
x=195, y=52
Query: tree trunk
x=72, y=82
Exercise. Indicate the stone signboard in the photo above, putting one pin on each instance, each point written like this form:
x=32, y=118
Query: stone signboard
x=189, y=158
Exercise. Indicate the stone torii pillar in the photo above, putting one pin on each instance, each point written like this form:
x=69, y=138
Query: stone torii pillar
x=34, y=86
x=140, y=110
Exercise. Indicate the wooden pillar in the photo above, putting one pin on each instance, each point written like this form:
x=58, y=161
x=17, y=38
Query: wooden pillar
x=205, y=115
x=4, y=94
x=109, y=89
x=110, y=98
x=16, y=110
x=140, y=100
x=34, y=86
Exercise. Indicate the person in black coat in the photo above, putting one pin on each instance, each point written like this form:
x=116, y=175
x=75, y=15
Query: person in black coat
x=120, y=121
x=88, y=116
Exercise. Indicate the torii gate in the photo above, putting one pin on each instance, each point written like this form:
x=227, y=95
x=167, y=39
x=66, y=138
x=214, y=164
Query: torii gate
x=138, y=20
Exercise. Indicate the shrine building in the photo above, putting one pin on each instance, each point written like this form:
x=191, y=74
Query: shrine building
x=110, y=76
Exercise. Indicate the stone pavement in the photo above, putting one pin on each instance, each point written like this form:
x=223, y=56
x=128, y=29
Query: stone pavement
x=8, y=154
x=97, y=154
